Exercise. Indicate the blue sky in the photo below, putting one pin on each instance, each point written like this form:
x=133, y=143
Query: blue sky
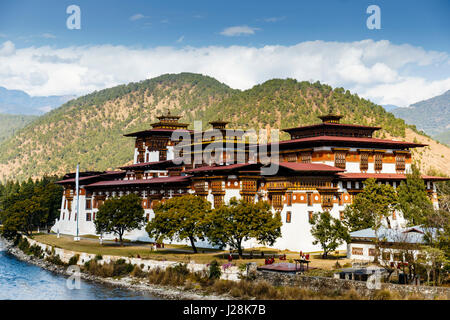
x=123, y=41
x=419, y=23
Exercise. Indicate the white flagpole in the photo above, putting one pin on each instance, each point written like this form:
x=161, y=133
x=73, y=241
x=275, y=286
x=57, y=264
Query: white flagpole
x=77, y=188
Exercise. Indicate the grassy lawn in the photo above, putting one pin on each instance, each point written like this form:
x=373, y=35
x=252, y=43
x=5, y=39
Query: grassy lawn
x=204, y=255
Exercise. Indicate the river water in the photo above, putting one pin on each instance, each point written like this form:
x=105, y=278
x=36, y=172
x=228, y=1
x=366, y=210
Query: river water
x=22, y=281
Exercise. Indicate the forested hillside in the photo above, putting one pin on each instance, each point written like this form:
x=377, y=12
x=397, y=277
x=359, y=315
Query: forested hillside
x=90, y=129
x=10, y=123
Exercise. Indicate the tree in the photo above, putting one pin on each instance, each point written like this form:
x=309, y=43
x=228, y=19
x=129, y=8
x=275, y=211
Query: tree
x=24, y=216
x=413, y=199
x=118, y=215
x=433, y=260
x=28, y=205
x=375, y=203
x=328, y=231
x=240, y=221
x=180, y=218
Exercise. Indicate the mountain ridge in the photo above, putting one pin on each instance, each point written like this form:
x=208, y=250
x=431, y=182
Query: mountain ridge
x=90, y=129
x=437, y=110
x=21, y=103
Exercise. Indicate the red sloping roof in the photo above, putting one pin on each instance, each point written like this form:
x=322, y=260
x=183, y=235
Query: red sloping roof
x=173, y=179
x=92, y=176
x=72, y=180
x=146, y=164
x=152, y=131
x=296, y=166
x=318, y=125
x=384, y=176
x=221, y=167
x=353, y=139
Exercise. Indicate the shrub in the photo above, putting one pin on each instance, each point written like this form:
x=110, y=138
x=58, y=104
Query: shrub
x=138, y=273
x=74, y=260
x=121, y=268
x=98, y=257
x=214, y=270
x=55, y=259
x=382, y=295
x=181, y=269
x=23, y=244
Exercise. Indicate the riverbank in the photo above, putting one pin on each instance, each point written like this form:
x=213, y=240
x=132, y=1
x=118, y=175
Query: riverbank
x=126, y=282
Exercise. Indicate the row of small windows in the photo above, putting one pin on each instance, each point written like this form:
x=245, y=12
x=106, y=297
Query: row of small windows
x=340, y=160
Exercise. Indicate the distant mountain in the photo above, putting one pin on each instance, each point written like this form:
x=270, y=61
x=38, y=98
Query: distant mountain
x=19, y=102
x=443, y=137
x=10, y=124
x=432, y=115
x=90, y=129
x=389, y=107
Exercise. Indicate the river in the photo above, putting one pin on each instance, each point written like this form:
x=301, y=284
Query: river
x=22, y=281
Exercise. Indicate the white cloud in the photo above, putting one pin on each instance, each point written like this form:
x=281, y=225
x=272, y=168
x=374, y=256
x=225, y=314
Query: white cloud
x=7, y=48
x=180, y=39
x=48, y=36
x=238, y=31
x=378, y=70
x=137, y=16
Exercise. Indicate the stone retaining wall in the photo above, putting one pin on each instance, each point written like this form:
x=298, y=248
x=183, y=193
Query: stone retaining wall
x=339, y=285
x=231, y=273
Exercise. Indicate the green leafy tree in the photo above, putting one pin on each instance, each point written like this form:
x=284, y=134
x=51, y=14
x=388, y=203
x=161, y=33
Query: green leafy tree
x=413, y=199
x=375, y=202
x=240, y=221
x=31, y=204
x=180, y=218
x=118, y=215
x=24, y=216
x=329, y=232
x=434, y=261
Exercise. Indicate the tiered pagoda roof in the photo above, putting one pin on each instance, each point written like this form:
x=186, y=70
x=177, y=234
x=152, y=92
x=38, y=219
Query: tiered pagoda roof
x=165, y=126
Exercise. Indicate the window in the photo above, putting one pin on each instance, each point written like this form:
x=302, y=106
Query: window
x=400, y=162
x=289, y=199
x=309, y=199
x=147, y=157
x=248, y=198
x=218, y=201
x=378, y=161
x=372, y=252
x=310, y=215
x=70, y=213
x=339, y=160
x=93, y=216
x=357, y=251
x=306, y=157
x=88, y=204
x=277, y=201
x=386, y=256
x=88, y=216
x=288, y=216
x=291, y=157
x=162, y=155
x=64, y=215
x=341, y=215
x=364, y=165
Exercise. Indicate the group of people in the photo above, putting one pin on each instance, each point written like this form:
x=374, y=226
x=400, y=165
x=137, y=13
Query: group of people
x=304, y=256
